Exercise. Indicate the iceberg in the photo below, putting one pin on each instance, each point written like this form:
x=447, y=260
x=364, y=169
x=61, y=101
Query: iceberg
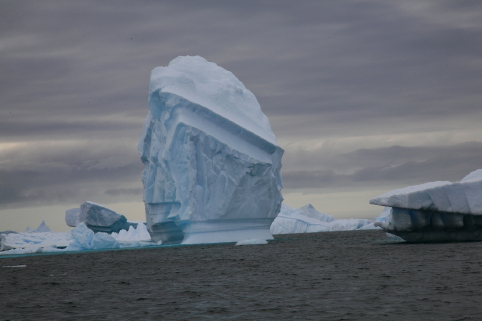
x=309, y=211
x=96, y=217
x=307, y=219
x=436, y=211
x=212, y=162
x=41, y=228
x=81, y=238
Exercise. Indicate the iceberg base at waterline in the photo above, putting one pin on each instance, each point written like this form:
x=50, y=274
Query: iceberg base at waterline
x=222, y=231
x=428, y=226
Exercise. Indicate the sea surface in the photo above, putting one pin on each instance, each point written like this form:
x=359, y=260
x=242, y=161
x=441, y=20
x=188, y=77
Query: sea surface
x=356, y=275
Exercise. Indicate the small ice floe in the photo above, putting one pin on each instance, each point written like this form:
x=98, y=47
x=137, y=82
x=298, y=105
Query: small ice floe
x=394, y=237
x=251, y=242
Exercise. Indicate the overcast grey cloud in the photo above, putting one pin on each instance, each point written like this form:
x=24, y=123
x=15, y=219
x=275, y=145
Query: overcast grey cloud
x=361, y=94
x=396, y=164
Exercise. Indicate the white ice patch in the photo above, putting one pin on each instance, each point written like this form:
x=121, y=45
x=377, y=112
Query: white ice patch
x=133, y=234
x=299, y=220
x=370, y=226
x=33, y=241
x=464, y=197
x=251, y=242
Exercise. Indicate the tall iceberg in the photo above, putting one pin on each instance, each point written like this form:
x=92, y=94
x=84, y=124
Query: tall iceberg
x=436, y=211
x=212, y=162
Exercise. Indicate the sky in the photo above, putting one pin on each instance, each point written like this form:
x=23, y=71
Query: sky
x=363, y=96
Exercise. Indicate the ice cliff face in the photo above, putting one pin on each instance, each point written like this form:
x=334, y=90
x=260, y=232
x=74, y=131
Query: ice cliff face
x=212, y=163
x=437, y=211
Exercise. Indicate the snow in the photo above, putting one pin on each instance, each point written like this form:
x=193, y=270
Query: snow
x=206, y=84
x=462, y=197
x=251, y=242
x=473, y=176
x=307, y=220
x=212, y=162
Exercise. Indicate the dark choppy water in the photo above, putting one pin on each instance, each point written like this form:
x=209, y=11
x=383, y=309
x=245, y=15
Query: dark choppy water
x=321, y=276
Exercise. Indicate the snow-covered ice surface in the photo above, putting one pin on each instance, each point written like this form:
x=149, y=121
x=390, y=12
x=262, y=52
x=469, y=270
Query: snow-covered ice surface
x=81, y=238
x=34, y=240
x=464, y=197
x=307, y=219
x=251, y=242
x=435, y=212
x=212, y=162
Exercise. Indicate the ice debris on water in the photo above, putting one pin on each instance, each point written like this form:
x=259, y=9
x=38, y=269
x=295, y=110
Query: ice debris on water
x=80, y=238
x=212, y=162
x=436, y=211
x=33, y=240
x=251, y=242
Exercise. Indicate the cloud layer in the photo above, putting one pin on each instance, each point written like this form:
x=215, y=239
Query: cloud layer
x=361, y=94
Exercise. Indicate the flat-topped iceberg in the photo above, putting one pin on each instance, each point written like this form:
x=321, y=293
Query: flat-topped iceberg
x=464, y=197
x=437, y=211
x=212, y=162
